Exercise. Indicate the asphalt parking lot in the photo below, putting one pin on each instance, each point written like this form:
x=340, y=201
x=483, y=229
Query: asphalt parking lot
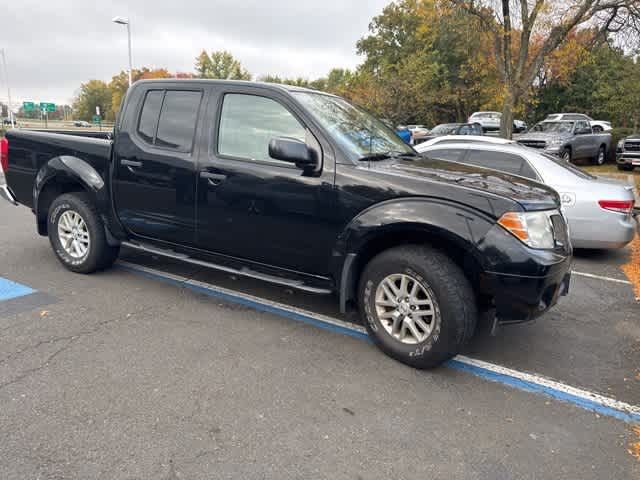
x=144, y=371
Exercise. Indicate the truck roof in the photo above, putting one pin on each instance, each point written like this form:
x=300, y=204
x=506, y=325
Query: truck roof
x=245, y=83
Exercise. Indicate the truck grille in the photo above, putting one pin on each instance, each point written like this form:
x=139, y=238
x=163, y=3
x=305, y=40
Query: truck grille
x=560, y=232
x=632, y=146
x=533, y=143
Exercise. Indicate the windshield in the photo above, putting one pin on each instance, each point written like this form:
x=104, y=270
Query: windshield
x=444, y=129
x=486, y=115
x=358, y=132
x=553, y=127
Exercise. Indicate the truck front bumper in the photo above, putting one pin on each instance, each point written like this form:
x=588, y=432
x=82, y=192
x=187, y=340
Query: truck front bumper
x=628, y=158
x=7, y=195
x=520, y=299
x=522, y=283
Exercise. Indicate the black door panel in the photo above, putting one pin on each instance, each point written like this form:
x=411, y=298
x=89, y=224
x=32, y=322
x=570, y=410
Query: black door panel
x=155, y=173
x=258, y=208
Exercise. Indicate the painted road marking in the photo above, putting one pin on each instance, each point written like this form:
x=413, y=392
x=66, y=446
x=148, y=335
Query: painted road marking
x=599, y=277
x=520, y=380
x=9, y=290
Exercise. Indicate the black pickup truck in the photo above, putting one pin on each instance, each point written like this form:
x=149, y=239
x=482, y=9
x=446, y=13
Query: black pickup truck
x=300, y=188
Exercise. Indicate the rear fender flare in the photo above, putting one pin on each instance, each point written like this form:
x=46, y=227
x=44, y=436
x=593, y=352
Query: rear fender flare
x=68, y=170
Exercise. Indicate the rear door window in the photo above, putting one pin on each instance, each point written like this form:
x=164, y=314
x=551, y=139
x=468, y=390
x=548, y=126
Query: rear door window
x=148, y=121
x=177, y=125
x=168, y=119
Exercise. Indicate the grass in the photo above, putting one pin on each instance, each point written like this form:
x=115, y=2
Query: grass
x=611, y=168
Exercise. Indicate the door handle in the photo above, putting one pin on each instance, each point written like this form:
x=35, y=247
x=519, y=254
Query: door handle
x=213, y=178
x=130, y=163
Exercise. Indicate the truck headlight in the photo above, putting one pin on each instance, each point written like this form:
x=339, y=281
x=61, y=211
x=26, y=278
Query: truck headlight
x=621, y=145
x=554, y=143
x=534, y=229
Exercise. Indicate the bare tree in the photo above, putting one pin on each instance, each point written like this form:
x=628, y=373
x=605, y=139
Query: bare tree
x=526, y=32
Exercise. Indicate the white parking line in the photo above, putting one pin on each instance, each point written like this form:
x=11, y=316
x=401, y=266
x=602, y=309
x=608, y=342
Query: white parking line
x=496, y=373
x=599, y=277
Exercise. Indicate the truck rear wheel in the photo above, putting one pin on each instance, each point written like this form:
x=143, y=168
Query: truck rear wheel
x=77, y=235
x=419, y=308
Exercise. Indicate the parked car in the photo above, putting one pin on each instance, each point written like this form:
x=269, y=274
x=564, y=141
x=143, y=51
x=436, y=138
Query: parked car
x=300, y=189
x=598, y=126
x=599, y=211
x=464, y=138
x=448, y=129
x=81, y=123
x=628, y=153
x=404, y=133
x=490, y=122
x=570, y=140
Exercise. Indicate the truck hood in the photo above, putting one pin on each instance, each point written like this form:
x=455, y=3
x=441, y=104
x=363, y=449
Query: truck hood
x=542, y=136
x=531, y=195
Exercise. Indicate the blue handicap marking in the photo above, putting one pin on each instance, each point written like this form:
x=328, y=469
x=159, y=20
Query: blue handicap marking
x=9, y=290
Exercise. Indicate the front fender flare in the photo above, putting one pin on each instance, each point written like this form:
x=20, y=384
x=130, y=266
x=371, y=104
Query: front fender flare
x=442, y=219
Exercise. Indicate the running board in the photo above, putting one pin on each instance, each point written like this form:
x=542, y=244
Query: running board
x=245, y=272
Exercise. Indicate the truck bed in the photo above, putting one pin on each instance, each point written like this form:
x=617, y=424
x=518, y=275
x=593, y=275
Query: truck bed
x=29, y=150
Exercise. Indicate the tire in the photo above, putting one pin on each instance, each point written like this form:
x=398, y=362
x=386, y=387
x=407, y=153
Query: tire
x=453, y=305
x=89, y=252
x=597, y=129
x=566, y=155
x=601, y=157
x=625, y=168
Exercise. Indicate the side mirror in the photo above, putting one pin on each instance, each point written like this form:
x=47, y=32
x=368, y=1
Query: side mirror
x=293, y=151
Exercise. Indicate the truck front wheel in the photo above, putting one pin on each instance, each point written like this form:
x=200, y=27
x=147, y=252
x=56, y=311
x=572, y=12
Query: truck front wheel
x=77, y=235
x=419, y=307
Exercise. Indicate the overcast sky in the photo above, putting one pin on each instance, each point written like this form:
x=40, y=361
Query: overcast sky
x=52, y=46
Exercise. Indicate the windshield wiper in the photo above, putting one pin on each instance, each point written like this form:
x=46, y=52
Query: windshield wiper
x=386, y=155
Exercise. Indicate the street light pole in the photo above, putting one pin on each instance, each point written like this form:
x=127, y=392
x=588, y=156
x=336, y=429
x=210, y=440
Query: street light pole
x=125, y=21
x=6, y=76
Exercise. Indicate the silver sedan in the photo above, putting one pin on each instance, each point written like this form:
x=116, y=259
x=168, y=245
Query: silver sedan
x=599, y=211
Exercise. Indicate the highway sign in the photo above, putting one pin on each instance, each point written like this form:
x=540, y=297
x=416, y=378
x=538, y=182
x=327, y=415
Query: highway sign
x=28, y=106
x=97, y=119
x=47, y=107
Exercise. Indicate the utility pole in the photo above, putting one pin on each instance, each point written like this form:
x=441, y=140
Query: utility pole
x=6, y=76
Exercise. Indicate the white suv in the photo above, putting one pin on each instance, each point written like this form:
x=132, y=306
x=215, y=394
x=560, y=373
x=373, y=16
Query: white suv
x=598, y=126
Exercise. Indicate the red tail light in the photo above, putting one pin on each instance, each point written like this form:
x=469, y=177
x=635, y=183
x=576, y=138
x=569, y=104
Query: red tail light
x=619, y=206
x=4, y=154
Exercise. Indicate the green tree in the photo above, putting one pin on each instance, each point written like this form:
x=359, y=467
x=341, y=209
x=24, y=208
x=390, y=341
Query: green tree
x=120, y=83
x=525, y=33
x=94, y=93
x=221, y=65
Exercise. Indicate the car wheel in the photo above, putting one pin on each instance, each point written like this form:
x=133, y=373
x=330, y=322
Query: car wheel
x=419, y=308
x=77, y=234
x=597, y=129
x=566, y=155
x=601, y=158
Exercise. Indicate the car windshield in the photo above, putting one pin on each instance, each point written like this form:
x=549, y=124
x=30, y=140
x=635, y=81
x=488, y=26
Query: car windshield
x=444, y=129
x=359, y=133
x=486, y=115
x=553, y=127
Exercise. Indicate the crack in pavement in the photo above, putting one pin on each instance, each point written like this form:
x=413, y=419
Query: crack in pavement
x=70, y=339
